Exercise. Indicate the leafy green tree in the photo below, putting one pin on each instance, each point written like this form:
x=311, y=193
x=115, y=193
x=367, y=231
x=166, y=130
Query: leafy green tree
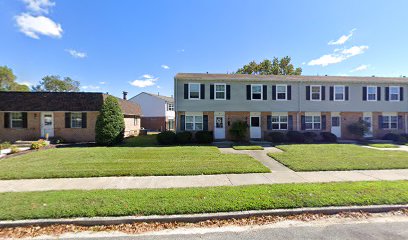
x=267, y=67
x=8, y=81
x=110, y=126
x=54, y=83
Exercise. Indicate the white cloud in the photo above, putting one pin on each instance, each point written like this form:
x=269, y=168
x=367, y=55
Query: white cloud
x=102, y=83
x=342, y=39
x=90, y=87
x=27, y=83
x=146, y=80
x=76, y=54
x=165, y=66
x=362, y=67
x=338, y=56
x=180, y=50
x=39, y=6
x=34, y=26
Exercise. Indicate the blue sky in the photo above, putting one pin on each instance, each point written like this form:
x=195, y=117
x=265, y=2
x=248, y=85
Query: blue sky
x=110, y=46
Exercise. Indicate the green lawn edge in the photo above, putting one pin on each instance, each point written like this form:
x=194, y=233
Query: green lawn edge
x=101, y=203
x=383, y=145
x=250, y=147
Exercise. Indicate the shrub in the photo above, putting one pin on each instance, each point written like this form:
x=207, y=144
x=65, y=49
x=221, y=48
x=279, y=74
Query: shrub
x=310, y=137
x=110, y=125
x=239, y=130
x=56, y=140
x=295, y=137
x=5, y=145
x=166, y=138
x=277, y=137
x=328, y=137
x=358, y=129
x=14, y=149
x=204, y=136
x=395, y=137
x=183, y=137
x=39, y=144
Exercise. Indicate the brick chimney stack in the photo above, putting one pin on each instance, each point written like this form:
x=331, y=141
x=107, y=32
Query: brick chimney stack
x=125, y=95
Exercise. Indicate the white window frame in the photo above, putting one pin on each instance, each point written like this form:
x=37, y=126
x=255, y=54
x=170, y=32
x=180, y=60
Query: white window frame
x=189, y=91
x=375, y=93
x=313, y=122
x=215, y=91
x=389, y=122
x=344, y=93
x=280, y=122
x=277, y=92
x=194, y=122
x=320, y=92
x=16, y=119
x=72, y=115
x=170, y=107
x=252, y=93
x=398, y=93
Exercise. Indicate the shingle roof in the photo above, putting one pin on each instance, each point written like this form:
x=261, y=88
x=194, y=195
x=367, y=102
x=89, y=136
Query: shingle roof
x=60, y=101
x=295, y=78
x=165, y=98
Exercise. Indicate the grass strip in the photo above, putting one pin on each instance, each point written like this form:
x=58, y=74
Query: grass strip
x=248, y=148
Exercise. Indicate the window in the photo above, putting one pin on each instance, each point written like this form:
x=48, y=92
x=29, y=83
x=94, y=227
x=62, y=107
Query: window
x=339, y=93
x=390, y=122
x=256, y=92
x=16, y=120
x=371, y=93
x=335, y=121
x=255, y=121
x=170, y=107
x=194, y=91
x=76, y=120
x=281, y=91
x=220, y=91
x=316, y=93
x=312, y=122
x=394, y=93
x=194, y=123
x=280, y=122
x=170, y=124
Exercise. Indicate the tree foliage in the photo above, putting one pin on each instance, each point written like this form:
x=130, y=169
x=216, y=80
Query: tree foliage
x=358, y=129
x=239, y=130
x=8, y=81
x=54, y=83
x=267, y=67
x=110, y=125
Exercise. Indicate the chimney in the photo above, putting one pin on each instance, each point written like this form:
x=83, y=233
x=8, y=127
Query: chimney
x=125, y=95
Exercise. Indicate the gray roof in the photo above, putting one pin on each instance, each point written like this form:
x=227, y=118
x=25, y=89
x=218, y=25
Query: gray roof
x=165, y=98
x=284, y=78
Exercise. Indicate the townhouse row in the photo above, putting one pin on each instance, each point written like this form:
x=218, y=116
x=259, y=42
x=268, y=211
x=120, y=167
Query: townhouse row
x=281, y=103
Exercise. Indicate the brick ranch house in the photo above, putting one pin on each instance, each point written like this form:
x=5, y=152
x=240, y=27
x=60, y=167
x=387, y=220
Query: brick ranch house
x=282, y=103
x=67, y=115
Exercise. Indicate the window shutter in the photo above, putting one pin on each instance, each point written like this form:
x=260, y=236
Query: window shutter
x=290, y=122
x=307, y=92
x=228, y=92
x=84, y=120
x=347, y=93
x=400, y=122
x=212, y=91
x=265, y=92
x=378, y=93
x=248, y=92
x=24, y=119
x=323, y=122
x=185, y=91
x=380, y=122
x=331, y=90
x=401, y=94
x=273, y=92
x=323, y=93
x=182, y=122
x=6, y=120
x=205, y=122
x=67, y=120
x=387, y=93
x=202, y=91
x=303, y=123
x=364, y=93
x=269, y=122
x=289, y=89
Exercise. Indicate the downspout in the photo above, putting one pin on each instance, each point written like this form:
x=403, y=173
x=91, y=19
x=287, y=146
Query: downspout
x=299, y=109
x=175, y=104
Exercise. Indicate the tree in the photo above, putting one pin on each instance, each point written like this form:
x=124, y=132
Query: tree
x=358, y=129
x=110, y=126
x=268, y=67
x=54, y=83
x=8, y=81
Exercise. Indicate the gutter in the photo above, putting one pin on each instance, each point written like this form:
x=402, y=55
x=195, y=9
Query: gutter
x=175, y=104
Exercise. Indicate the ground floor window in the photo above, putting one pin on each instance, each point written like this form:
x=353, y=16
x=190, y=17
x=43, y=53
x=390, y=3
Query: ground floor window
x=76, y=120
x=194, y=123
x=170, y=124
x=280, y=122
x=313, y=122
x=390, y=122
x=16, y=120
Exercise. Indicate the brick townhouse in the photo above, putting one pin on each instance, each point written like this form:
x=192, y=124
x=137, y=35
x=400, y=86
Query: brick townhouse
x=281, y=103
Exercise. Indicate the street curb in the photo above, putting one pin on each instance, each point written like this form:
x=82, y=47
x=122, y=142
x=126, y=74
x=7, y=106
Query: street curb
x=193, y=218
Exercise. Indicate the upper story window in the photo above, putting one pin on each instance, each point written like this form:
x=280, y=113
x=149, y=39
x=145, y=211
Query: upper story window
x=256, y=91
x=194, y=123
x=371, y=93
x=16, y=120
x=194, y=91
x=280, y=122
x=170, y=107
x=281, y=92
x=76, y=120
x=313, y=122
x=316, y=92
x=220, y=90
x=394, y=93
x=390, y=122
x=339, y=92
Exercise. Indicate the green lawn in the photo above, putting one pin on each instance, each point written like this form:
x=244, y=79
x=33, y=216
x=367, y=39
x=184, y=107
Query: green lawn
x=64, y=204
x=383, y=145
x=321, y=157
x=251, y=147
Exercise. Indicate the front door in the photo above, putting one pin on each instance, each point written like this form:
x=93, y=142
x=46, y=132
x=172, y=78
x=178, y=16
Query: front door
x=47, y=124
x=219, y=127
x=255, y=127
x=368, y=119
x=336, y=125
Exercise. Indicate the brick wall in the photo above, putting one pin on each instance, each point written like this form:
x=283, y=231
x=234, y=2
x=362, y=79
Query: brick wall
x=154, y=123
x=348, y=118
x=231, y=117
x=75, y=134
x=132, y=126
x=32, y=132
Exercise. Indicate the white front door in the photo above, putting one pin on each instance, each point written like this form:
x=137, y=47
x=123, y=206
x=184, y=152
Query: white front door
x=368, y=119
x=219, y=127
x=255, y=127
x=47, y=124
x=336, y=125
